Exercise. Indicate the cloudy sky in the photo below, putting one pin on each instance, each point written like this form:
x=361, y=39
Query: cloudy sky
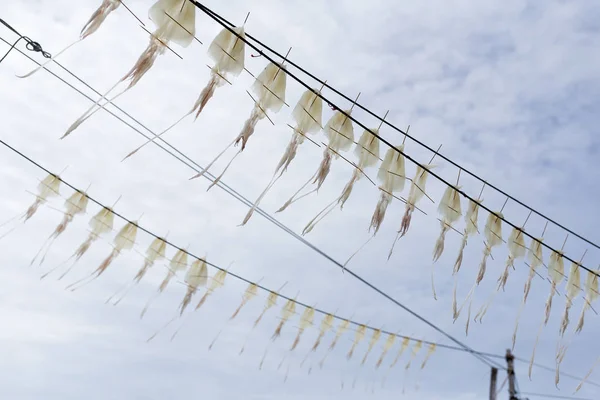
x=510, y=89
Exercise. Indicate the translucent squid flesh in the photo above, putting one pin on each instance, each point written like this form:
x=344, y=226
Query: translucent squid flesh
x=493, y=237
x=358, y=337
x=416, y=193
x=124, y=240
x=340, y=135
x=174, y=23
x=430, y=351
x=288, y=310
x=415, y=350
x=306, y=320
x=270, y=88
x=249, y=294
x=195, y=277
x=326, y=325
x=591, y=295
x=47, y=188
x=573, y=289
x=227, y=51
x=516, y=249
x=372, y=342
x=392, y=177
x=76, y=204
x=178, y=263
x=89, y=28
x=341, y=329
x=270, y=303
x=367, y=152
x=308, y=115
x=450, y=211
x=155, y=252
x=100, y=224
x=387, y=346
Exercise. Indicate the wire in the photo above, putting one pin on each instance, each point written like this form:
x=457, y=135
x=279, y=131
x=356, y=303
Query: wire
x=261, y=212
x=224, y=23
x=553, y=370
x=239, y=277
x=553, y=396
x=31, y=45
x=304, y=71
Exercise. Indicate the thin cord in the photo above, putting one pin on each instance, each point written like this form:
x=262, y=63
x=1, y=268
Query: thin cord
x=277, y=223
x=239, y=277
x=220, y=20
x=382, y=119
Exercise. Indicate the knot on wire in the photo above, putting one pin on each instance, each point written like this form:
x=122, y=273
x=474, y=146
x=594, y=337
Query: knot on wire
x=36, y=47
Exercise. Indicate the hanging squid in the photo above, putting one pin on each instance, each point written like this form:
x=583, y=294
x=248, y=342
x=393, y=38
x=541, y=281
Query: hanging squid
x=288, y=310
x=270, y=303
x=416, y=193
x=195, y=277
x=89, y=28
x=308, y=115
x=250, y=293
x=387, y=346
x=155, y=252
x=573, y=289
x=341, y=329
x=403, y=347
x=124, y=240
x=449, y=209
x=306, y=320
x=535, y=257
x=471, y=217
x=358, y=337
x=372, y=342
x=326, y=325
x=493, y=238
x=415, y=351
x=100, y=224
x=430, y=351
x=227, y=50
x=340, y=135
x=392, y=177
x=178, y=263
x=367, y=152
x=47, y=188
x=556, y=272
x=76, y=204
x=175, y=22
x=591, y=295
x=516, y=249
x=269, y=87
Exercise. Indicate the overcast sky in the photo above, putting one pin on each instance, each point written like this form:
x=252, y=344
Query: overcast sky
x=510, y=89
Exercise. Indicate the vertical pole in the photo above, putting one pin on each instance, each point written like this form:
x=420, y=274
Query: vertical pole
x=493, y=379
x=512, y=393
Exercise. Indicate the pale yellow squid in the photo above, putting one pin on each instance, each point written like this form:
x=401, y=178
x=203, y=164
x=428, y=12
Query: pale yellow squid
x=227, y=50
x=76, y=204
x=270, y=88
x=124, y=240
x=99, y=224
x=340, y=135
x=367, y=152
x=308, y=115
x=155, y=252
x=175, y=22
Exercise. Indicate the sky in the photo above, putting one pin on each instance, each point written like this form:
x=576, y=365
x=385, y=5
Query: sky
x=509, y=89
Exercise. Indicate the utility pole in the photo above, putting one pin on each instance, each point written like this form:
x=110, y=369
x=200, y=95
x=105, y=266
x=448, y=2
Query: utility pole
x=493, y=379
x=512, y=392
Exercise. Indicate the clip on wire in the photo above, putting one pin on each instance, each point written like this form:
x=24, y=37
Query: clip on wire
x=31, y=45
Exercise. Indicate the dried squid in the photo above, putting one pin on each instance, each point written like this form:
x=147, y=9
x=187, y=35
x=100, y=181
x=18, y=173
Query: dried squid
x=340, y=135
x=307, y=114
x=174, y=23
x=269, y=87
x=227, y=50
